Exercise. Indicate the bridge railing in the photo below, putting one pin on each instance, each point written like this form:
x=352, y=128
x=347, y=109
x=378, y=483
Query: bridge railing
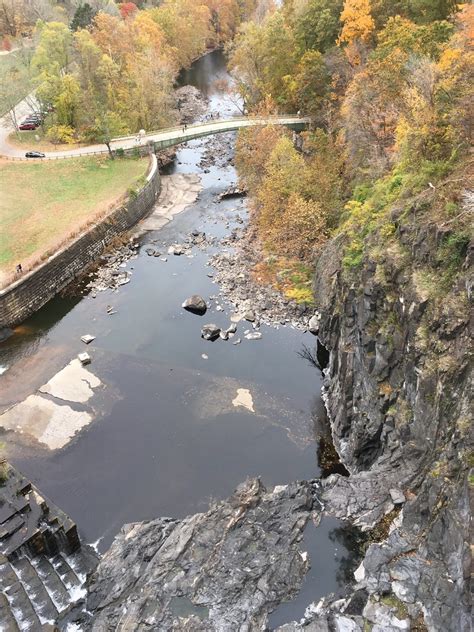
x=177, y=128
x=167, y=130
x=79, y=154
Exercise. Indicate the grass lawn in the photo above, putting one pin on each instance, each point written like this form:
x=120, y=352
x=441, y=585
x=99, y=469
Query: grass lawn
x=43, y=204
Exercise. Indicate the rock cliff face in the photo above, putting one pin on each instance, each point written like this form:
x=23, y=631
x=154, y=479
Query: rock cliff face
x=398, y=391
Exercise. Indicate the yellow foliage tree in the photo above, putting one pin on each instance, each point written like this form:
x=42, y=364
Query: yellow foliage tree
x=358, y=26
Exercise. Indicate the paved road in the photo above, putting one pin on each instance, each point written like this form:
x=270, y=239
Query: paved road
x=162, y=138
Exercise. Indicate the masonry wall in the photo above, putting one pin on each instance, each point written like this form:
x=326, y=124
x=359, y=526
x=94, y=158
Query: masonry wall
x=26, y=295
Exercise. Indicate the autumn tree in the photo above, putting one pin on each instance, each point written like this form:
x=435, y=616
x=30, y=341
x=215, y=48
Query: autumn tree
x=254, y=145
x=326, y=167
x=308, y=87
x=224, y=18
x=261, y=59
x=127, y=9
x=357, y=28
x=186, y=26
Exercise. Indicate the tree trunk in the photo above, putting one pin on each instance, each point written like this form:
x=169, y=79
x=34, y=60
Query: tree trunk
x=111, y=153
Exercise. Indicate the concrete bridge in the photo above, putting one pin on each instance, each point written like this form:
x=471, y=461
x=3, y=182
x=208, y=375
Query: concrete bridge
x=161, y=139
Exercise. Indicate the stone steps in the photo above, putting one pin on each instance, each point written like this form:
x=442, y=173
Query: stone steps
x=8, y=621
x=37, y=592
x=34, y=591
x=53, y=583
x=21, y=608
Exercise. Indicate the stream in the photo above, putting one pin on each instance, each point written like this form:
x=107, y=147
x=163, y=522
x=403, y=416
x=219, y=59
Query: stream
x=167, y=434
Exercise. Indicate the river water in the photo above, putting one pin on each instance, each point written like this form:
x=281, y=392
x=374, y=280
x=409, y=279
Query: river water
x=166, y=436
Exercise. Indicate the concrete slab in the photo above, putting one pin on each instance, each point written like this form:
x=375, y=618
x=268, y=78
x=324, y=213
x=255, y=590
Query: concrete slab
x=177, y=193
x=50, y=423
x=73, y=384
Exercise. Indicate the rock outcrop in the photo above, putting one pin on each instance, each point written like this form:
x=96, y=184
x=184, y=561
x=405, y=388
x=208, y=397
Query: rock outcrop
x=221, y=570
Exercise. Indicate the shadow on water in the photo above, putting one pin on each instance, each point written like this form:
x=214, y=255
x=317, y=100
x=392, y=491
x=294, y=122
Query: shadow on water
x=25, y=339
x=333, y=561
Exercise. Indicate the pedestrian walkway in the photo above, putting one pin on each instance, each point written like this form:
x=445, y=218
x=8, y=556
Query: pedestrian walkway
x=162, y=139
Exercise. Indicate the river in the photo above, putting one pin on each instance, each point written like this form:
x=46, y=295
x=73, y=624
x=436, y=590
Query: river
x=167, y=436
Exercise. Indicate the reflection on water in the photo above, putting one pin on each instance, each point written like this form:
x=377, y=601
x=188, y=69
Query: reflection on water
x=206, y=73
x=333, y=562
x=26, y=339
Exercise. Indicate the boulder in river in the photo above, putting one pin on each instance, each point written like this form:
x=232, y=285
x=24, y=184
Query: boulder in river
x=176, y=249
x=210, y=332
x=195, y=304
x=250, y=316
x=254, y=335
x=87, y=339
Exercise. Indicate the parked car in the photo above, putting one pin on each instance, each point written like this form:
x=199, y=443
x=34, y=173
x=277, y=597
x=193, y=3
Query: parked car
x=35, y=154
x=28, y=125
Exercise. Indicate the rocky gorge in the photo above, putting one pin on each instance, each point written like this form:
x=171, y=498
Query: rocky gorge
x=396, y=388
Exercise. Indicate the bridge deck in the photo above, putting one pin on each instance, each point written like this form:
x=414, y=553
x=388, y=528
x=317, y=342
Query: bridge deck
x=176, y=135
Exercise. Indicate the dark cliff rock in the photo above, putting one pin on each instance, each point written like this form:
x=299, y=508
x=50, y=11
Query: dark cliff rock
x=398, y=394
x=221, y=570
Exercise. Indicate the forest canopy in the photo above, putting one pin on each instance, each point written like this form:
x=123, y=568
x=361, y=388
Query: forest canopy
x=387, y=85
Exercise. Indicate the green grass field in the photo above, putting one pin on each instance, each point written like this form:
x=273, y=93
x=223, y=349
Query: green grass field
x=44, y=204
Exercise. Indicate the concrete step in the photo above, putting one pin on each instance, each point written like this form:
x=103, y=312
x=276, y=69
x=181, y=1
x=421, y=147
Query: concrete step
x=22, y=608
x=7, y=574
x=37, y=592
x=7, y=620
x=83, y=562
x=66, y=573
x=52, y=582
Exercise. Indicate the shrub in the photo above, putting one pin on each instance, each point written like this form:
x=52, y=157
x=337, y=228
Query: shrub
x=61, y=134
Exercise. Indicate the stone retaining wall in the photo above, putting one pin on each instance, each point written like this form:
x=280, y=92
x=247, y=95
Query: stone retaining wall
x=26, y=295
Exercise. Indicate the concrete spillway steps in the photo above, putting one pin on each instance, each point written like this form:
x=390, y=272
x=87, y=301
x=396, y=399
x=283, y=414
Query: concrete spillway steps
x=34, y=591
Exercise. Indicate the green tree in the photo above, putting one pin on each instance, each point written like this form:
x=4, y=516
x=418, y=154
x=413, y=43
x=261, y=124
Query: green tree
x=309, y=85
x=108, y=125
x=67, y=100
x=261, y=58
x=83, y=17
x=317, y=24
x=53, y=52
x=425, y=11
x=420, y=11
